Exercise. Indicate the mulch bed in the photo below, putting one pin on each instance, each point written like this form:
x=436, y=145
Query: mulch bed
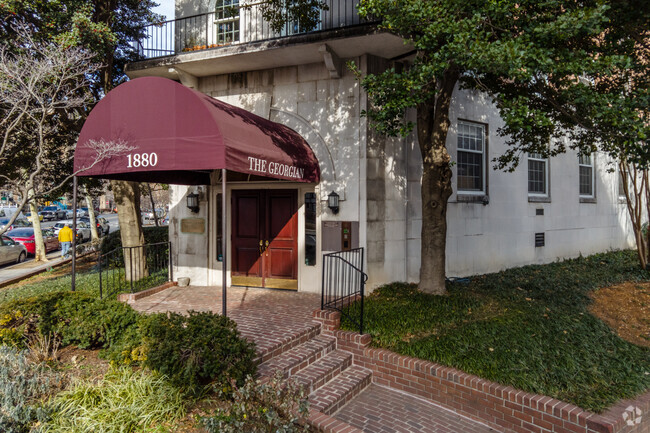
x=626, y=309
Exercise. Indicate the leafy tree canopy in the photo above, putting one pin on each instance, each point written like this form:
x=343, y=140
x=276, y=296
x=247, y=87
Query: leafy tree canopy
x=554, y=68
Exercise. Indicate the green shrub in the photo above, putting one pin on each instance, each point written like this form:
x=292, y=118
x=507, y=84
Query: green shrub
x=22, y=385
x=124, y=401
x=74, y=318
x=279, y=406
x=197, y=349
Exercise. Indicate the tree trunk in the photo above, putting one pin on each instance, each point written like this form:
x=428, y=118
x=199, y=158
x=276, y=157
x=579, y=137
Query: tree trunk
x=127, y=199
x=40, y=255
x=635, y=187
x=91, y=217
x=153, y=205
x=432, y=128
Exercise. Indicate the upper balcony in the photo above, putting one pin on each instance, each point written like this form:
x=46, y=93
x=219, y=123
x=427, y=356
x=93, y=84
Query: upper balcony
x=200, y=43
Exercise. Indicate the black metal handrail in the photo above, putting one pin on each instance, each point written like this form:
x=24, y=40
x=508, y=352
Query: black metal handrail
x=132, y=269
x=246, y=24
x=344, y=283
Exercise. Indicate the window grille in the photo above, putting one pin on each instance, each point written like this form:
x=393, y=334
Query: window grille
x=537, y=174
x=586, y=174
x=471, y=157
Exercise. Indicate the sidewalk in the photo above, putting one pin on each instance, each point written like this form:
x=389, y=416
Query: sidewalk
x=14, y=273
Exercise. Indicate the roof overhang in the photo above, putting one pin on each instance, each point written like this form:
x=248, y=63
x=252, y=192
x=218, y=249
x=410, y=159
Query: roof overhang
x=177, y=135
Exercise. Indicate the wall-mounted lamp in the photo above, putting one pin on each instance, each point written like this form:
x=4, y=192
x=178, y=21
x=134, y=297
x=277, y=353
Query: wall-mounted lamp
x=193, y=202
x=333, y=202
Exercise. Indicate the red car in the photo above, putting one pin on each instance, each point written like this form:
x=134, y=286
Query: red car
x=25, y=236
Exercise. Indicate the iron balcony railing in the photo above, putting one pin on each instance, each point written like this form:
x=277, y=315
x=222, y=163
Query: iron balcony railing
x=230, y=26
x=344, y=284
x=133, y=269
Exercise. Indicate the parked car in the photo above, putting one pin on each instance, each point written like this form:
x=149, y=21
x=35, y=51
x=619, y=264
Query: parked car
x=11, y=251
x=25, y=236
x=102, y=224
x=69, y=214
x=20, y=222
x=83, y=229
x=81, y=212
x=47, y=215
x=28, y=215
x=53, y=213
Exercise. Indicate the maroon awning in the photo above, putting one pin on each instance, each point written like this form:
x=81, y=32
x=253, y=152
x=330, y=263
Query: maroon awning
x=179, y=136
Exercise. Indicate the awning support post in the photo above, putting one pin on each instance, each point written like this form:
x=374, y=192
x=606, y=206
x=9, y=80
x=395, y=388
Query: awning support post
x=74, y=231
x=224, y=251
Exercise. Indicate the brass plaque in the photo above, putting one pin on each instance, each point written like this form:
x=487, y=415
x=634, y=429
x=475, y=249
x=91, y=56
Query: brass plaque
x=193, y=225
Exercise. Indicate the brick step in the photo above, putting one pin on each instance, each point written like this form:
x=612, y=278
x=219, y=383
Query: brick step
x=299, y=357
x=341, y=389
x=272, y=347
x=322, y=371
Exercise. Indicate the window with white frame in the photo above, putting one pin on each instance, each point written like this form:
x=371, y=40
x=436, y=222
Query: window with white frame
x=621, y=185
x=537, y=175
x=227, y=21
x=586, y=174
x=471, y=158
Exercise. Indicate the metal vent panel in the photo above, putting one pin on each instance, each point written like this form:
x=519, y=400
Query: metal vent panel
x=539, y=239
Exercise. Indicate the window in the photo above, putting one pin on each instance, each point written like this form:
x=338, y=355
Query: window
x=227, y=21
x=471, y=158
x=219, y=228
x=621, y=186
x=586, y=174
x=537, y=175
x=310, y=229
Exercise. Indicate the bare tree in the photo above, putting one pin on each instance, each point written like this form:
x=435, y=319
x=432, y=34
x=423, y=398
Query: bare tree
x=43, y=88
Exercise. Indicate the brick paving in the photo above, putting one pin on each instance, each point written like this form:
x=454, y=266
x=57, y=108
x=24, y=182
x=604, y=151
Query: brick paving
x=382, y=410
x=275, y=320
x=287, y=338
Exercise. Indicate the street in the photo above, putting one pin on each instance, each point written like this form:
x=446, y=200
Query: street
x=10, y=271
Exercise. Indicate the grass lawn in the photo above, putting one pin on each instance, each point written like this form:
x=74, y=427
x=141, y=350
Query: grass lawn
x=528, y=327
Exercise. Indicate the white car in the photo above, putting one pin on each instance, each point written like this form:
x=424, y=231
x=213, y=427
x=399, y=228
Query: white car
x=11, y=251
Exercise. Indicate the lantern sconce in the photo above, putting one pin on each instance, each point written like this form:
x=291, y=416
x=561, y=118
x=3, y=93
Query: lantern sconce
x=193, y=202
x=333, y=202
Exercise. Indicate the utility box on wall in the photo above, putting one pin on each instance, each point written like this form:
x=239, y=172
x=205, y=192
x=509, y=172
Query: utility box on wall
x=340, y=235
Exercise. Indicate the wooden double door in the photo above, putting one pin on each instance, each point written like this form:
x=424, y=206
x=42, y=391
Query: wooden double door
x=265, y=238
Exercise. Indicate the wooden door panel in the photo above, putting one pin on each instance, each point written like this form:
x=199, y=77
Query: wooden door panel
x=266, y=215
x=281, y=263
x=282, y=227
x=248, y=261
x=246, y=234
x=248, y=216
x=281, y=213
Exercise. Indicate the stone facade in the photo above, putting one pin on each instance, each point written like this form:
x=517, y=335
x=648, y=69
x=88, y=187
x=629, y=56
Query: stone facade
x=378, y=180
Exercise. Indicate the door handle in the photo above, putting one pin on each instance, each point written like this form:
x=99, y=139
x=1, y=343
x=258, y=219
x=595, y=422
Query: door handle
x=261, y=252
x=266, y=248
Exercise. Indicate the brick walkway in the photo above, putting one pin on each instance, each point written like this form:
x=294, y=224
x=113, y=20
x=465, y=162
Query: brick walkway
x=382, y=410
x=287, y=338
x=271, y=318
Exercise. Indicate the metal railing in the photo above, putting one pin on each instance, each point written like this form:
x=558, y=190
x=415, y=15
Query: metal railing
x=133, y=269
x=242, y=25
x=344, y=283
